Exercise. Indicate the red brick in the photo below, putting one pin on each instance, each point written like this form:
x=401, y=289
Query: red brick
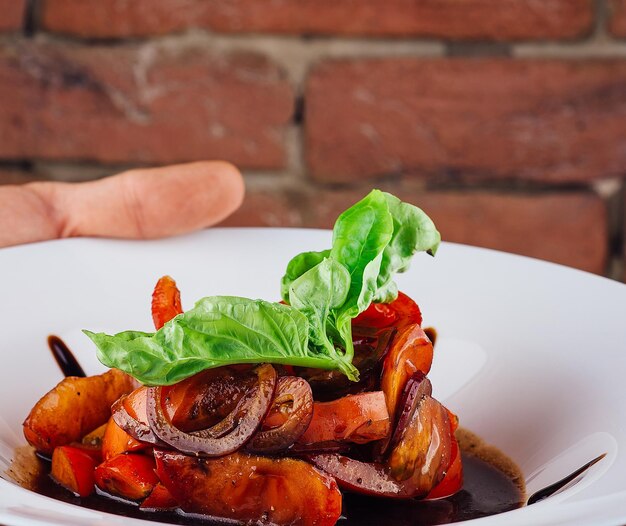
x=453, y=19
x=545, y=120
x=145, y=104
x=267, y=207
x=12, y=17
x=617, y=21
x=566, y=228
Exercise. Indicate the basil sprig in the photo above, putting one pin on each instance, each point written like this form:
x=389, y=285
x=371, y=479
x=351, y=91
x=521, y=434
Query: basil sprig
x=372, y=240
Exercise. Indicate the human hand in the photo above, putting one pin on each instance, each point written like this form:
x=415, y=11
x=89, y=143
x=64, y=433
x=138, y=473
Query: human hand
x=137, y=204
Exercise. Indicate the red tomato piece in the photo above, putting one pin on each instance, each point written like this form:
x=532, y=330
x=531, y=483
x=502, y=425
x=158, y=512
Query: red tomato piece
x=453, y=479
x=411, y=351
x=454, y=421
x=357, y=418
x=73, y=468
x=159, y=500
x=116, y=441
x=399, y=313
x=129, y=476
x=165, y=302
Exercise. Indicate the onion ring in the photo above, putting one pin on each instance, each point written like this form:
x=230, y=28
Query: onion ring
x=228, y=435
x=294, y=397
x=134, y=427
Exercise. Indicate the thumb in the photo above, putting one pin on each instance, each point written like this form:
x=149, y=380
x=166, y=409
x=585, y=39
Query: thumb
x=149, y=203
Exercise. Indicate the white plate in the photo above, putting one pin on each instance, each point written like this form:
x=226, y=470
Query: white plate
x=531, y=355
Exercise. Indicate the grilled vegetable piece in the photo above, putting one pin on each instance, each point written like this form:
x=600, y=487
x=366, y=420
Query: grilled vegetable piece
x=73, y=408
x=361, y=477
x=165, y=302
x=399, y=313
x=196, y=403
x=423, y=450
x=357, y=418
x=250, y=488
x=370, y=347
x=129, y=476
x=117, y=441
x=94, y=438
x=73, y=468
x=453, y=479
x=288, y=418
x=159, y=500
x=129, y=413
x=226, y=436
x=411, y=351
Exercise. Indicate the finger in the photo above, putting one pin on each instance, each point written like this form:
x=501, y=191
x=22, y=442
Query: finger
x=150, y=203
x=25, y=216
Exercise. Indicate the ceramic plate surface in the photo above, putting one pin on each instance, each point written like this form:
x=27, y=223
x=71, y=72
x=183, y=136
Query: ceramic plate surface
x=531, y=355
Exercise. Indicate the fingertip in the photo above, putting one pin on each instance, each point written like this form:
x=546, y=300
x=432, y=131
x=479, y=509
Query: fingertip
x=233, y=186
x=186, y=197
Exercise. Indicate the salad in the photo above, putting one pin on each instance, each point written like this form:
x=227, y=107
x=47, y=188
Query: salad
x=265, y=412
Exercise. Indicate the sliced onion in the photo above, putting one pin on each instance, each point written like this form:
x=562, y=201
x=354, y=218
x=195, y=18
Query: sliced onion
x=360, y=477
x=228, y=435
x=136, y=429
x=206, y=398
x=293, y=400
x=417, y=387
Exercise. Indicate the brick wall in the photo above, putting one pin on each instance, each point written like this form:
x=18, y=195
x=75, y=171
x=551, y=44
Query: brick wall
x=504, y=119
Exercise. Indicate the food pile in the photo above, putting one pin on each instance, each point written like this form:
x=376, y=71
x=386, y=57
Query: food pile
x=262, y=412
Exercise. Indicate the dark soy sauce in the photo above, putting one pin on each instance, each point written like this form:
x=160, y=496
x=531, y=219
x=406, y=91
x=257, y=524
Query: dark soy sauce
x=64, y=358
x=431, y=332
x=552, y=489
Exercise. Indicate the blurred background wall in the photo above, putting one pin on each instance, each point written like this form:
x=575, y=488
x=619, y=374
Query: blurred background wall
x=504, y=119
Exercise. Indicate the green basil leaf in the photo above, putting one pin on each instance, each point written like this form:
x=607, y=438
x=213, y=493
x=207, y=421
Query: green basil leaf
x=372, y=240
x=315, y=293
x=360, y=236
x=219, y=330
x=298, y=266
x=413, y=231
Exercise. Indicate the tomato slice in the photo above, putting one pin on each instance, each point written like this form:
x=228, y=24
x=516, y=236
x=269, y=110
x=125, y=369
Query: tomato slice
x=357, y=418
x=411, y=351
x=73, y=468
x=165, y=301
x=159, y=500
x=116, y=441
x=422, y=451
x=399, y=313
x=251, y=488
x=129, y=476
x=454, y=420
x=453, y=480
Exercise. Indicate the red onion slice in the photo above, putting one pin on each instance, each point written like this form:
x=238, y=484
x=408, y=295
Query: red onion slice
x=136, y=429
x=294, y=400
x=417, y=387
x=360, y=477
x=228, y=435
